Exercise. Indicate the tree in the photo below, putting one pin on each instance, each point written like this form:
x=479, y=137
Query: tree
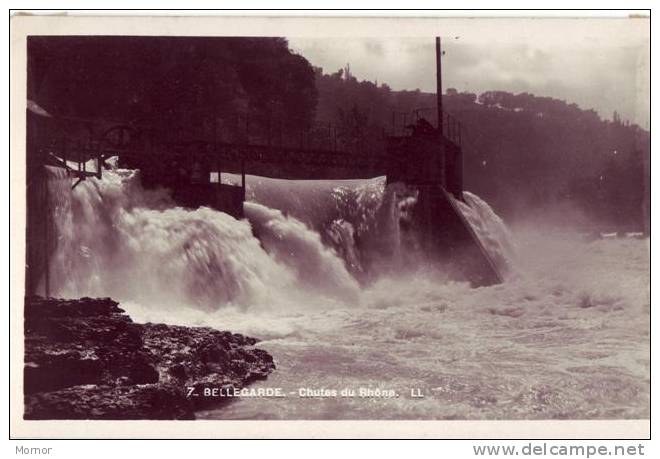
x=171, y=82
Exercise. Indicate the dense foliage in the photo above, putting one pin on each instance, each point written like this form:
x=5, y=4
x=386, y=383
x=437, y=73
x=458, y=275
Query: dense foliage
x=184, y=83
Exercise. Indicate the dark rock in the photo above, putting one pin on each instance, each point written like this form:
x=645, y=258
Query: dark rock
x=41, y=308
x=55, y=369
x=178, y=371
x=86, y=359
x=213, y=353
x=151, y=401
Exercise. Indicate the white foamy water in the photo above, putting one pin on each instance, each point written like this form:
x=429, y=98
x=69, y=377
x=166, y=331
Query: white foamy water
x=491, y=230
x=566, y=336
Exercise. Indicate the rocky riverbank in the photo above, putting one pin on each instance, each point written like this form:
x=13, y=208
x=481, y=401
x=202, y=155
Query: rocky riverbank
x=86, y=359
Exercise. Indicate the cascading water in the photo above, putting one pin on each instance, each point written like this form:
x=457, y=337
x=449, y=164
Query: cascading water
x=490, y=229
x=305, y=272
x=116, y=238
x=294, y=245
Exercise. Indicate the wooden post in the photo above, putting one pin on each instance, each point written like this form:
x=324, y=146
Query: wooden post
x=99, y=160
x=46, y=221
x=77, y=147
x=270, y=123
x=64, y=150
x=215, y=129
x=438, y=64
x=216, y=156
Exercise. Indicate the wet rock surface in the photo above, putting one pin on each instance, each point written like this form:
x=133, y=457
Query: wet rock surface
x=86, y=359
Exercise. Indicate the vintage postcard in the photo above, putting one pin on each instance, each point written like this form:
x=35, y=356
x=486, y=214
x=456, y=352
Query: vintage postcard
x=319, y=227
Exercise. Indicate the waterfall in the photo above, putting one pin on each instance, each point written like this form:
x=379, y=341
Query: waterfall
x=115, y=238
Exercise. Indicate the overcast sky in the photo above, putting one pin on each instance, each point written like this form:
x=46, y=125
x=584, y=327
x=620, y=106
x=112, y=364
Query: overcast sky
x=594, y=67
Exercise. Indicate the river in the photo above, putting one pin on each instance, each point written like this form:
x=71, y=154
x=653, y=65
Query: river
x=356, y=334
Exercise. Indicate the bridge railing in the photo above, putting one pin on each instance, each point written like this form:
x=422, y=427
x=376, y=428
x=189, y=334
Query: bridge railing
x=107, y=139
x=403, y=123
x=262, y=131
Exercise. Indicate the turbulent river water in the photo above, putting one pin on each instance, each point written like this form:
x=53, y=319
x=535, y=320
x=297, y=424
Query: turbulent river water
x=321, y=273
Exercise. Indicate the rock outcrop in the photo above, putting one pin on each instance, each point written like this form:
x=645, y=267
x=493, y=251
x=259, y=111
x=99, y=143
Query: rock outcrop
x=86, y=359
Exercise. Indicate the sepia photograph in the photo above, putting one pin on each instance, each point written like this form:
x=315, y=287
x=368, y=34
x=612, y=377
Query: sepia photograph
x=447, y=221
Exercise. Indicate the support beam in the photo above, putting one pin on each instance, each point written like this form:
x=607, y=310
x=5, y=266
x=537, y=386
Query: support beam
x=438, y=64
x=46, y=222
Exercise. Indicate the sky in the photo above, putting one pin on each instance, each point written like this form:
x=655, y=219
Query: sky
x=600, y=67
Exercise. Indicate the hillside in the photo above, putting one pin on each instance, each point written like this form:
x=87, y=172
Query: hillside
x=521, y=151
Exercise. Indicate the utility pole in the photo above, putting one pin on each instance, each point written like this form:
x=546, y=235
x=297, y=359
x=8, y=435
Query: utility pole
x=438, y=65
